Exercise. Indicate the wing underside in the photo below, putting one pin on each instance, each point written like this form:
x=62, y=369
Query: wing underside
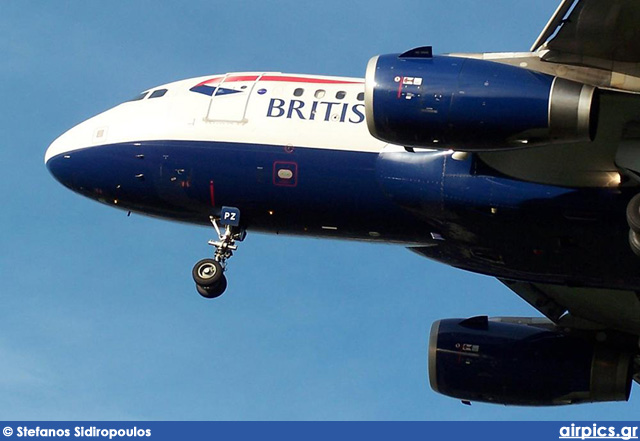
x=594, y=33
x=581, y=307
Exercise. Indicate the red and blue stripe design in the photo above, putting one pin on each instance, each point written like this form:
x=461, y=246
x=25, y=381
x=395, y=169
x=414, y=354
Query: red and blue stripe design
x=213, y=85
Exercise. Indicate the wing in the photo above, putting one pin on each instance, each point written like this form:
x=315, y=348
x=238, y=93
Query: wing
x=594, y=33
x=582, y=307
x=595, y=42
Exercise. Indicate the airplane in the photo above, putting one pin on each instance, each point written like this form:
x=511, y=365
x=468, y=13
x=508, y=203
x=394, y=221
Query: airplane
x=522, y=166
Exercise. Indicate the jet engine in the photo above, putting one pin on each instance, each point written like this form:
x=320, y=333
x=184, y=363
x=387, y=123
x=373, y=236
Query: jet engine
x=500, y=362
x=441, y=102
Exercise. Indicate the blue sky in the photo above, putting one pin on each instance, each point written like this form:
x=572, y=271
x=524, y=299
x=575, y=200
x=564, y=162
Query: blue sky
x=100, y=318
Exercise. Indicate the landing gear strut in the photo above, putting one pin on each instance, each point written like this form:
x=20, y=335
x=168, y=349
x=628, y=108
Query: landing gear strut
x=209, y=273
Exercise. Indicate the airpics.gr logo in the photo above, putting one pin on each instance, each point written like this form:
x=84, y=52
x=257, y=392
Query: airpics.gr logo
x=598, y=432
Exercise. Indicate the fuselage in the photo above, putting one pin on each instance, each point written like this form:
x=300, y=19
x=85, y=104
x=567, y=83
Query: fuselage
x=293, y=153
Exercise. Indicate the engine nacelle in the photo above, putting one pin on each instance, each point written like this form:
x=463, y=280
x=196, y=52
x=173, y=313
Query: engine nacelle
x=466, y=104
x=482, y=360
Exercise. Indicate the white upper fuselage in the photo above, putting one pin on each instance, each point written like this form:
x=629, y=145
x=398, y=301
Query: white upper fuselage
x=253, y=108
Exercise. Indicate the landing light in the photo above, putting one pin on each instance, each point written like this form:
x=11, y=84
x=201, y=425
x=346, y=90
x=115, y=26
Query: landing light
x=460, y=156
x=615, y=179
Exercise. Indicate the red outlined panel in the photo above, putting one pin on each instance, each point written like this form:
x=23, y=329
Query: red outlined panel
x=285, y=174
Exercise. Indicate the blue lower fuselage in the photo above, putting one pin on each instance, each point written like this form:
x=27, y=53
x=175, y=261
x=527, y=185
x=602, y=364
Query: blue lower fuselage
x=459, y=212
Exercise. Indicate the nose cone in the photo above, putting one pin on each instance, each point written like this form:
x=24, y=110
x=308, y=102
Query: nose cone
x=66, y=145
x=77, y=163
x=56, y=155
x=57, y=147
x=77, y=138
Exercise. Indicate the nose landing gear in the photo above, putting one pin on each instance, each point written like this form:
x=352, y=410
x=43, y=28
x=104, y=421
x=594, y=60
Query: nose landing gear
x=208, y=274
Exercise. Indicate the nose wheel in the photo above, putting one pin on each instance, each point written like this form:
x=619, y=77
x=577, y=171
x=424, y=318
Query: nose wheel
x=213, y=291
x=208, y=274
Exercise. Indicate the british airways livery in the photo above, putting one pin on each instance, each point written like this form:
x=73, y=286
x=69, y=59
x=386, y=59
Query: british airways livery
x=523, y=166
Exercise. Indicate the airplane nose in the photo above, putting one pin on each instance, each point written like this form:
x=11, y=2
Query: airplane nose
x=73, y=139
x=56, y=148
x=55, y=157
x=60, y=150
x=75, y=165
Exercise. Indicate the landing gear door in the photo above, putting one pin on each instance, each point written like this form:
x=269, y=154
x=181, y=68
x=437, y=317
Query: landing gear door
x=231, y=96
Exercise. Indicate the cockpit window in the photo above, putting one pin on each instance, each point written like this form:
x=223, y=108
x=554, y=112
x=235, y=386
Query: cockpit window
x=158, y=93
x=139, y=97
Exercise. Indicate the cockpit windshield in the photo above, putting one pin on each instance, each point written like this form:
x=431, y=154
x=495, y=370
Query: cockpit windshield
x=155, y=94
x=139, y=97
x=158, y=93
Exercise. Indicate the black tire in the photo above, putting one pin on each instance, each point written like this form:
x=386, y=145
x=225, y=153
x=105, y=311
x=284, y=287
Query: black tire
x=207, y=272
x=211, y=292
x=634, y=242
x=633, y=213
